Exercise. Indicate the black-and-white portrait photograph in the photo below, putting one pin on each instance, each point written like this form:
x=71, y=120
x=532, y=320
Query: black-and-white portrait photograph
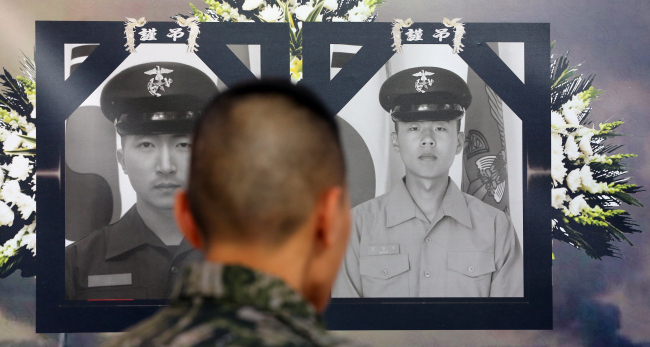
x=127, y=151
x=437, y=185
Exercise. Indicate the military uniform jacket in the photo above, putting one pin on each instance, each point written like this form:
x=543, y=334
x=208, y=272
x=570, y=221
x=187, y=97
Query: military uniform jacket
x=469, y=249
x=218, y=305
x=125, y=260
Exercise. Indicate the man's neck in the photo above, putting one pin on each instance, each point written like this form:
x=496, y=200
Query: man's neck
x=427, y=193
x=161, y=222
x=285, y=262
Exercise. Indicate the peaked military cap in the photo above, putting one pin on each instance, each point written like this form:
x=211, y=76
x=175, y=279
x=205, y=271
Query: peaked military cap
x=425, y=93
x=156, y=98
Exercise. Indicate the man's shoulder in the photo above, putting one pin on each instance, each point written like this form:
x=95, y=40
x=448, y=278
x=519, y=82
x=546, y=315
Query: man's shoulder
x=371, y=207
x=480, y=208
x=95, y=240
x=217, y=324
x=98, y=238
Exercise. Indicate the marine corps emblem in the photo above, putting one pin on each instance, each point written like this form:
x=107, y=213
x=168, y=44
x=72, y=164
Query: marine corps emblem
x=158, y=82
x=423, y=82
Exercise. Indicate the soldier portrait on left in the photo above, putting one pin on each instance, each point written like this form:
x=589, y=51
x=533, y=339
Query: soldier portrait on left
x=153, y=107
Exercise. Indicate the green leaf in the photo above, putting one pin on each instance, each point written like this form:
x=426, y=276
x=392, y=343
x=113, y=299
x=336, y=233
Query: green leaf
x=28, y=138
x=628, y=199
x=313, y=15
x=22, y=151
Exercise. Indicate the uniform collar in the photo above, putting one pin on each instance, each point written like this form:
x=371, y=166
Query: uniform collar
x=244, y=287
x=130, y=232
x=401, y=207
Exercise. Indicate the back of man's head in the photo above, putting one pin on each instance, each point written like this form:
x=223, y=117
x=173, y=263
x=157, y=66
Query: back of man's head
x=263, y=153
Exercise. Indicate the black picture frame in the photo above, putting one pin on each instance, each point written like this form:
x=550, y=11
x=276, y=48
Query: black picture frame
x=58, y=98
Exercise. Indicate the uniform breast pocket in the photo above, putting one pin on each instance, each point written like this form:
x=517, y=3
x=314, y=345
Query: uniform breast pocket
x=113, y=292
x=384, y=275
x=469, y=274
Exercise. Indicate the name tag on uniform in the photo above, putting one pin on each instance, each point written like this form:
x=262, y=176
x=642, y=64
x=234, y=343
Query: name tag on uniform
x=383, y=249
x=109, y=280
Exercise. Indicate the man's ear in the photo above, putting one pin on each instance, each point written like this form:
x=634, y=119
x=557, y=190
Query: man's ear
x=333, y=210
x=461, y=142
x=393, y=138
x=185, y=220
x=120, y=159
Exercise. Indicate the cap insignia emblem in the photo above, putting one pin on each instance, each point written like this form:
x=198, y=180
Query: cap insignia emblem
x=423, y=82
x=158, y=82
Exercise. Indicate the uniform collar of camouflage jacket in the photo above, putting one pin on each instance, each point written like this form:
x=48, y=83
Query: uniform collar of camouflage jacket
x=235, y=285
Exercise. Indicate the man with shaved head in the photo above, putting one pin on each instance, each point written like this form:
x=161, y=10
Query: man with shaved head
x=268, y=204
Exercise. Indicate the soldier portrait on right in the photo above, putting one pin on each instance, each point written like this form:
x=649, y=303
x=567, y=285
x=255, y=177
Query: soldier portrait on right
x=434, y=233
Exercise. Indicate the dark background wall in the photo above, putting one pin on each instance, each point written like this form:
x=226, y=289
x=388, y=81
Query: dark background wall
x=596, y=303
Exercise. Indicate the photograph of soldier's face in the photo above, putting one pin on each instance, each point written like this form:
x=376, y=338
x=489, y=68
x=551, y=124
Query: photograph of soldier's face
x=157, y=165
x=106, y=174
x=467, y=148
x=128, y=149
x=428, y=148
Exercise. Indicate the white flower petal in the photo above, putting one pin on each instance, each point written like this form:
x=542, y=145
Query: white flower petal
x=331, y=5
x=585, y=145
x=573, y=180
x=558, y=196
x=6, y=215
x=302, y=12
x=571, y=148
x=577, y=205
x=250, y=5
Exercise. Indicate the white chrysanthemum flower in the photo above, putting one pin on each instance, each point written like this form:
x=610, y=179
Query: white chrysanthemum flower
x=359, y=13
x=11, y=191
x=8, y=251
x=30, y=129
x=571, y=148
x=26, y=205
x=583, y=131
x=29, y=241
x=338, y=19
x=571, y=116
x=250, y=5
x=577, y=205
x=303, y=11
x=6, y=215
x=271, y=14
x=331, y=5
x=585, y=144
x=556, y=119
x=12, y=142
x=585, y=174
x=20, y=168
x=558, y=197
x=556, y=144
x=558, y=171
x=589, y=183
x=573, y=180
x=11, y=246
x=576, y=103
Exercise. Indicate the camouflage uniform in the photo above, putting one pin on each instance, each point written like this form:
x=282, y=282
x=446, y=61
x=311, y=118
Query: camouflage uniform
x=219, y=305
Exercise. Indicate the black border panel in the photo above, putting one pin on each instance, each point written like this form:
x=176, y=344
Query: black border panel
x=58, y=98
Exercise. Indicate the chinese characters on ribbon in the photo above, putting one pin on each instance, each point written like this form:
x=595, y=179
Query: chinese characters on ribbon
x=416, y=34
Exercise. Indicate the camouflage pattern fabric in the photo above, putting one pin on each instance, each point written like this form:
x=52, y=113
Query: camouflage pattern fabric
x=219, y=305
